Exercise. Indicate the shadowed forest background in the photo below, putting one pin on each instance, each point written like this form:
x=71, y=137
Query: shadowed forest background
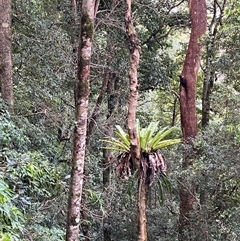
x=37, y=120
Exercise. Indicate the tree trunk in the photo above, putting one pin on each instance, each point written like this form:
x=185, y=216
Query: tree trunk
x=208, y=81
x=96, y=110
x=188, y=79
x=112, y=100
x=142, y=219
x=211, y=49
x=6, y=77
x=106, y=181
x=134, y=48
x=81, y=111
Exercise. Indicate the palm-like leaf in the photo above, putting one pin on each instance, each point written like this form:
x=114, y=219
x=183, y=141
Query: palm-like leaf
x=122, y=135
x=148, y=141
x=160, y=136
x=116, y=145
x=146, y=135
x=165, y=143
x=152, y=161
x=120, y=145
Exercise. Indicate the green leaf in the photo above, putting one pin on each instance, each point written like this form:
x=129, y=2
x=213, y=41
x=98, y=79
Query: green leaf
x=123, y=135
x=158, y=136
x=146, y=135
x=117, y=145
x=165, y=143
x=144, y=138
x=167, y=183
x=160, y=192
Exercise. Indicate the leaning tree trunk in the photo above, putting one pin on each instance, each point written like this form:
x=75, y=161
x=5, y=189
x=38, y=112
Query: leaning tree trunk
x=6, y=65
x=81, y=112
x=131, y=120
x=188, y=79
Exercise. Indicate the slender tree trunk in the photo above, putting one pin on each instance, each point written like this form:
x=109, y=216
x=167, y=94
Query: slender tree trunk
x=211, y=48
x=96, y=110
x=174, y=114
x=106, y=181
x=74, y=37
x=81, y=111
x=90, y=126
x=134, y=48
x=6, y=65
x=142, y=219
x=111, y=104
x=112, y=100
x=188, y=79
x=208, y=81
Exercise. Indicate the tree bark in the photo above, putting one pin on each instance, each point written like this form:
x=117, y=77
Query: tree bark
x=6, y=76
x=134, y=48
x=142, y=219
x=188, y=79
x=81, y=112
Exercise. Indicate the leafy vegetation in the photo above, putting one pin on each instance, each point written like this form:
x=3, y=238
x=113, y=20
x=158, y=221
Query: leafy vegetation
x=11, y=218
x=36, y=140
x=151, y=160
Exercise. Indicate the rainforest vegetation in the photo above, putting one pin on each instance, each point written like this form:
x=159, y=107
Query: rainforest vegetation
x=119, y=120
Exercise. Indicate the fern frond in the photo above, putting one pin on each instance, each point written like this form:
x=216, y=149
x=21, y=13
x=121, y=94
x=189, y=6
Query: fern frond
x=122, y=135
x=157, y=137
x=115, y=144
x=165, y=143
x=161, y=135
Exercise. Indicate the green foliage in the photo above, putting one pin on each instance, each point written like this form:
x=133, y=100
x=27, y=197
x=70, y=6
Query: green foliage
x=11, y=218
x=34, y=178
x=154, y=24
x=41, y=233
x=164, y=186
x=95, y=198
x=11, y=136
x=216, y=176
x=42, y=63
x=151, y=161
x=150, y=140
x=43, y=89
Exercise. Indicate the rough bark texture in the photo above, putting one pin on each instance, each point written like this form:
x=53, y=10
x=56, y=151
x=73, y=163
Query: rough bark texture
x=6, y=77
x=134, y=48
x=142, y=219
x=81, y=106
x=133, y=86
x=191, y=66
x=188, y=79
